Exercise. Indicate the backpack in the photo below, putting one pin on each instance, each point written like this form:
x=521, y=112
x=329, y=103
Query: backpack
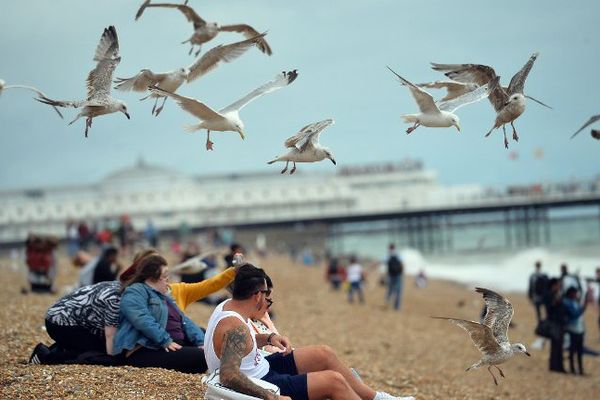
x=394, y=265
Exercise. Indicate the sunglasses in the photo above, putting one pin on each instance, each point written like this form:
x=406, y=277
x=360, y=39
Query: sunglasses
x=267, y=292
x=269, y=302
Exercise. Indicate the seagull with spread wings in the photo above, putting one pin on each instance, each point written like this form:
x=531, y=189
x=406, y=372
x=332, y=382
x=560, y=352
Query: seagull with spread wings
x=440, y=115
x=4, y=86
x=595, y=133
x=206, y=31
x=172, y=80
x=99, y=100
x=509, y=103
x=491, y=336
x=228, y=118
x=305, y=146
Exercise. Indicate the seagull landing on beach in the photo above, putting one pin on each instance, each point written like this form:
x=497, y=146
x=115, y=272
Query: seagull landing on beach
x=99, y=101
x=509, y=103
x=595, y=133
x=228, y=118
x=206, y=31
x=305, y=146
x=491, y=336
x=172, y=80
x=4, y=86
x=440, y=115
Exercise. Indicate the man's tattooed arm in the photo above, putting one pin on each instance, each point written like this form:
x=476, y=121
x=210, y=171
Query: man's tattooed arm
x=236, y=344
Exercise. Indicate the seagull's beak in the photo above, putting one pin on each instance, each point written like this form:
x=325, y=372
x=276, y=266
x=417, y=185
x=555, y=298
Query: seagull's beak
x=242, y=134
x=527, y=353
x=126, y=114
x=333, y=161
x=457, y=127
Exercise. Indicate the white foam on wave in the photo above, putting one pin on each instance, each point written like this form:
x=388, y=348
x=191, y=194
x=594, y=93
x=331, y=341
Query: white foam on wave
x=499, y=271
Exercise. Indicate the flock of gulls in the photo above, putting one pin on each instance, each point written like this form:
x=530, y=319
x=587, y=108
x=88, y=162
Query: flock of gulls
x=466, y=84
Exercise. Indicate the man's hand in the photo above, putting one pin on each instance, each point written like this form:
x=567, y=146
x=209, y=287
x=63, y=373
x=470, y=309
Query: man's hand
x=172, y=347
x=282, y=342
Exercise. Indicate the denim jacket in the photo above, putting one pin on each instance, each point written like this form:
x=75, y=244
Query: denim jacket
x=143, y=319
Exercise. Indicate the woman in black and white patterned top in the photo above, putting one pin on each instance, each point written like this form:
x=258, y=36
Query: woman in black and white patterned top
x=86, y=319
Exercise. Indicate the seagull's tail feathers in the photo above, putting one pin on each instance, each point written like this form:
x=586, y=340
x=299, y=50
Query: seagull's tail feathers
x=76, y=118
x=409, y=117
x=191, y=128
x=58, y=103
x=272, y=161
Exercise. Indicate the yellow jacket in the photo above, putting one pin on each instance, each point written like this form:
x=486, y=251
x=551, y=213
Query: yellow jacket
x=185, y=294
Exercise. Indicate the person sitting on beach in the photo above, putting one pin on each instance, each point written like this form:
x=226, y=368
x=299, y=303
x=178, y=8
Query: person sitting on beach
x=85, y=320
x=264, y=324
x=313, y=372
x=153, y=331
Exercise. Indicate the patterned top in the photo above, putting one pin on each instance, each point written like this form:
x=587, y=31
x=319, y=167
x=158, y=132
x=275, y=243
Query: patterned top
x=92, y=307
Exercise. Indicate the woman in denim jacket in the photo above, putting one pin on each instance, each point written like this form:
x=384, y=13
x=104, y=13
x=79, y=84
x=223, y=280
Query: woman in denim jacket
x=153, y=332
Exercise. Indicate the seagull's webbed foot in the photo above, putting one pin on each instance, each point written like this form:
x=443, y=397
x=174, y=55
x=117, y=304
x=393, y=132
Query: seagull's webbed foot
x=159, y=109
x=499, y=370
x=293, y=168
x=412, y=128
x=209, y=144
x=286, y=167
x=491, y=373
x=505, y=139
x=515, y=134
x=88, y=125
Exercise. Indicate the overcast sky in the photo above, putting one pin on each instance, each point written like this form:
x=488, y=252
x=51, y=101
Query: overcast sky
x=341, y=49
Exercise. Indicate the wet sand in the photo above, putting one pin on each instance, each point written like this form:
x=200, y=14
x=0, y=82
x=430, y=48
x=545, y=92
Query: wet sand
x=402, y=352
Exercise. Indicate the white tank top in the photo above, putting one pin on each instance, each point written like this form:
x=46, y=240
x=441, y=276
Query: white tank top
x=253, y=365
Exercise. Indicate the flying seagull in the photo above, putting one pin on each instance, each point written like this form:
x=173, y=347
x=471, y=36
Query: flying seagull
x=455, y=89
x=4, y=86
x=228, y=118
x=595, y=133
x=206, y=31
x=509, y=103
x=305, y=146
x=172, y=80
x=440, y=115
x=99, y=101
x=491, y=336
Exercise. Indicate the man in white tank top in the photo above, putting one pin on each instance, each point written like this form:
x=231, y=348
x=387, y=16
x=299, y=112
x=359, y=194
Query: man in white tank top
x=231, y=345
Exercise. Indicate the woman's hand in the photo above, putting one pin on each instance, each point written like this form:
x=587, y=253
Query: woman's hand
x=172, y=347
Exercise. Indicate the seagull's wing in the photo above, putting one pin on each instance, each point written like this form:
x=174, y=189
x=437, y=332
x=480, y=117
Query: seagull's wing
x=424, y=100
x=107, y=56
x=498, y=315
x=188, y=11
x=193, y=106
x=517, y=83
x=537, y=101
x=454, y=88
x=281, y=80
x=140, y=81
x=222, y=53
x=248, y=32
x=590, y=121
x=308, y=136
x=33, y=89
x=470, y=97
x=478, y=74
x=480, y=334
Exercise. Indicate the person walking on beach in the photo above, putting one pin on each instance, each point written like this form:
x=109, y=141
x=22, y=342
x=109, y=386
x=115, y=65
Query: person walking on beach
x=355, y=277
x=555, y=313
x=538, y=285
x=574, y=310
x=395, y=269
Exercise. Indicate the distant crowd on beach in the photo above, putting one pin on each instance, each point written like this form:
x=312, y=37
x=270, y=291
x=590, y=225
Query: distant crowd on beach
x=560, y=303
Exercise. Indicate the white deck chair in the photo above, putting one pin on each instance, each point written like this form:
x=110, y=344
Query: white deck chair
x=216, y=391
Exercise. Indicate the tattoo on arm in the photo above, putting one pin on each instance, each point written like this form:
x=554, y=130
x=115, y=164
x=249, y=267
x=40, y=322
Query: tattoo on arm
x=235, y=347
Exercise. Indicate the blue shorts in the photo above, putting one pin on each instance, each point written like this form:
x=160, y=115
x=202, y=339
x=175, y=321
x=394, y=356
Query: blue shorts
x=284, y=374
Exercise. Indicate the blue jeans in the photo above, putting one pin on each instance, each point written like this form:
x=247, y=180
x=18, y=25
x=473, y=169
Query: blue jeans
x=355, y=286
x=394, y=288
